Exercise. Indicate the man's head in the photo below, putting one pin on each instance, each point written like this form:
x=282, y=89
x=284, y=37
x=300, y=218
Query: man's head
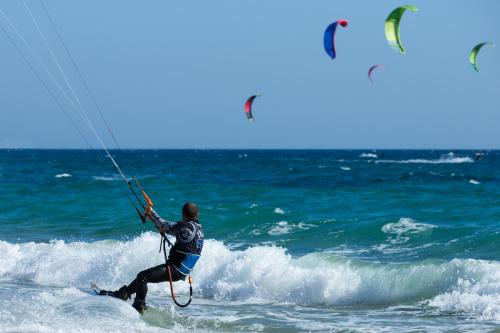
x=190, y=212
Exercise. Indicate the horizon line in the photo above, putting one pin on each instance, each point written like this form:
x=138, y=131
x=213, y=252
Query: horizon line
x=229, y=149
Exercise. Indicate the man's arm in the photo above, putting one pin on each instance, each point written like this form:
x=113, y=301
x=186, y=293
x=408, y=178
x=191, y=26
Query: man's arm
x=161, y=224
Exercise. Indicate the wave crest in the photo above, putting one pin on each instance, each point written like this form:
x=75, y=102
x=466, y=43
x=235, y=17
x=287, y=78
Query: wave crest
x=265, y=273
x=449, y=158
x=479, y=298
x=63, y=175
x=403, y=228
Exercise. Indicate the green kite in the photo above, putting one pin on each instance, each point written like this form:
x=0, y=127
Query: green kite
x=392, y=27
x=474, y=52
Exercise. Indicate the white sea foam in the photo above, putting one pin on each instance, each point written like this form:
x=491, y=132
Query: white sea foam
x=449, y=158
x=476, y=292
x=403, y=229
x=283, y=228
x=474, y=182
x=257, y=273
x=368, y=155
x=63, y=175
x=253, y=273
x=345, y=168
x=67, y=310
x=279, y=211
x=106, y=178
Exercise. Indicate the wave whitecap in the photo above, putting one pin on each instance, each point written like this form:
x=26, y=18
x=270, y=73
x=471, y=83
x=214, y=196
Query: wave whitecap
x=400, y=231
x=106, y=178
x=368, y=155
x=477, y=298
x=283, y=228
x=445, y=159
x=471, y=286
x=278, y=211
x=63, y=175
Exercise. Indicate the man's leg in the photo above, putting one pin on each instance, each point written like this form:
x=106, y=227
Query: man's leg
x=140, y=284
x=121, y=293
x=154, y=274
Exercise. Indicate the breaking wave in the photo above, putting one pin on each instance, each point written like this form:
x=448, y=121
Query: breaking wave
x=463, y=286
x=368, y=155
x=278, y=211
x=63, y=175
x=449, y=158
x=283, y=228
x=473, y=295
x=399, y=232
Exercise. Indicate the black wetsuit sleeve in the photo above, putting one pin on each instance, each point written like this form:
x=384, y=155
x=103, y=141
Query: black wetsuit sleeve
x=164, y=226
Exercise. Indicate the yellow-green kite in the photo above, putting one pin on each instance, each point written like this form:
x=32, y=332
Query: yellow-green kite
x=392, y=27
x=474, y=52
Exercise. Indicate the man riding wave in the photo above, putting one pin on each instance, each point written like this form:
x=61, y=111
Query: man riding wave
x=181, y=258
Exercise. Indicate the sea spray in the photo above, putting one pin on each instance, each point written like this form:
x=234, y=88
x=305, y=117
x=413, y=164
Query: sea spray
x=268, y=273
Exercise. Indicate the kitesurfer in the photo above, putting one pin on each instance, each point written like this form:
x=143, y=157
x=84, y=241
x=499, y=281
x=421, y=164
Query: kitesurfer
x=181, y=259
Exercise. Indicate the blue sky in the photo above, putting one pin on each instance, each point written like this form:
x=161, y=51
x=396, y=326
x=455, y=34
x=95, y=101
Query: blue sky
x=176, y=75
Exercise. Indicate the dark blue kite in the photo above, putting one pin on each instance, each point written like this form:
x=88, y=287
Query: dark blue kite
x=329, y=40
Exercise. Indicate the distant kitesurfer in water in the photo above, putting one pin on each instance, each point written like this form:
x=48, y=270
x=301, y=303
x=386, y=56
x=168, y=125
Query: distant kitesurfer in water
x=181, y=259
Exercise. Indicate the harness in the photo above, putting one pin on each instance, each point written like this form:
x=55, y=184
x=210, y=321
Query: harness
x=185, y=268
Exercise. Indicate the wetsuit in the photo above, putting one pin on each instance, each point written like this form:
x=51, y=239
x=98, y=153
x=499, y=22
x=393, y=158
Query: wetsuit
x=188, y=244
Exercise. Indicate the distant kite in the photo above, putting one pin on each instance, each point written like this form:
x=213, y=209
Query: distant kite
x=371, y=70
x=329, y=38
x=248, y=107
x=474, y=52
x=392, y=27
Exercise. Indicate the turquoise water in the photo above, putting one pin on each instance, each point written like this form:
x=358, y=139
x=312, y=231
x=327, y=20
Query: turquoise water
x=297, y=240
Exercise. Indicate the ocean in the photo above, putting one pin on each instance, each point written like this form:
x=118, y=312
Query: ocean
x=296, y=240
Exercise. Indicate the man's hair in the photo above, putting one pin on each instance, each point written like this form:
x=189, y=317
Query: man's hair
x=190, y=211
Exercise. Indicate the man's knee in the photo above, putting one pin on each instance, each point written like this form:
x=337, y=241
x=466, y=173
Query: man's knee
x=142, y=277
